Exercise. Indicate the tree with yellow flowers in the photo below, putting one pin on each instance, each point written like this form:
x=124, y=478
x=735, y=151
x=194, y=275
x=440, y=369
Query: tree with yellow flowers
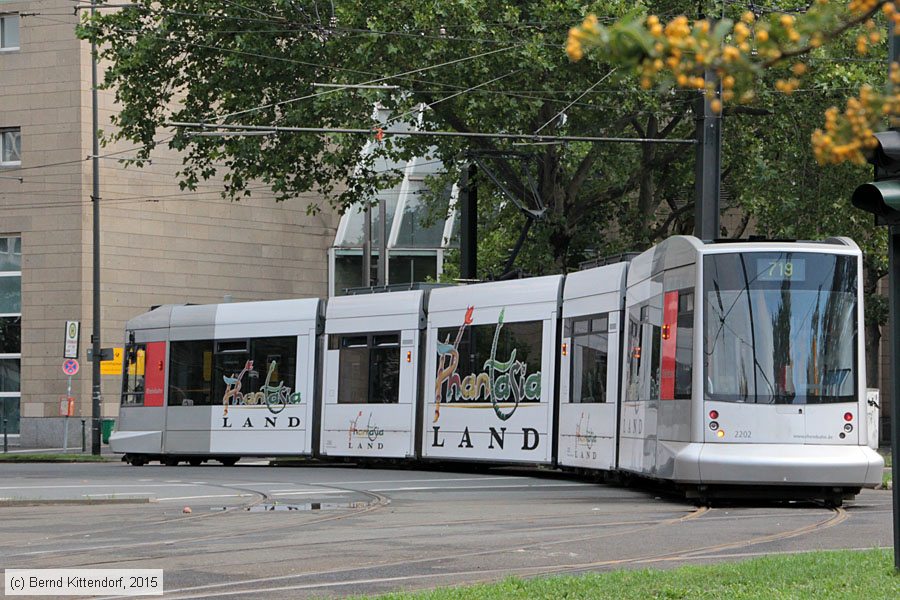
x=677, y=53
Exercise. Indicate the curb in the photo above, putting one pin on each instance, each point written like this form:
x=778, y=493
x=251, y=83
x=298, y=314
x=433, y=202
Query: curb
x=72, y=501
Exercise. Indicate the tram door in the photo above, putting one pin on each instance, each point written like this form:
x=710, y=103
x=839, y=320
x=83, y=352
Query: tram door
x=641, y=382
x=371, y=375
x=589, y=375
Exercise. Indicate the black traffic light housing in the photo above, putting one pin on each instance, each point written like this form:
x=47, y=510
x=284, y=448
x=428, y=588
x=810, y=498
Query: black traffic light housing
x=882, y=196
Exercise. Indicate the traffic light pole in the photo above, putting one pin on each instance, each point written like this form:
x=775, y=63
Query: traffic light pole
x=894, y=294
x=881, y=197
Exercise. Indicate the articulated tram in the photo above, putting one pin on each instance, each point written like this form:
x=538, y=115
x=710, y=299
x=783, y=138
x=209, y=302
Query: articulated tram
x=715, y=366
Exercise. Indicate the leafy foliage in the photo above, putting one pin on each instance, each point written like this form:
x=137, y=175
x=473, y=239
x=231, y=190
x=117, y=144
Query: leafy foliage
x=479, y=66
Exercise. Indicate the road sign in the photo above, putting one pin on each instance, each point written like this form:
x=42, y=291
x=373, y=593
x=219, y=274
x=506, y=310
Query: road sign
x=70, y=366
x=114, y=366
x=71, y=346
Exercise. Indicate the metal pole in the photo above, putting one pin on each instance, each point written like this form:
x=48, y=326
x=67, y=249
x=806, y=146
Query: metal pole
x=708, y=169
x=894, y=283
x=894, y=298
x=83, y=437
x=66, y=423
x=95, y=200
x=367, y=248
x=468, y=223
x=382, y=243
x=5, y=440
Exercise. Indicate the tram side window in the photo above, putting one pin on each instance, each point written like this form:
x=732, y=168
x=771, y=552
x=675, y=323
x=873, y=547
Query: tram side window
x=469, y=356
x=133, y=375
x=654, y=332
x=243, y=367
x=190, y=373
x=590, y=359
x=634, y=357
x=644, y=355
x=369, y=368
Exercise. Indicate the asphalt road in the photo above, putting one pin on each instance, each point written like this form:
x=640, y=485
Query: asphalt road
x=295, y=532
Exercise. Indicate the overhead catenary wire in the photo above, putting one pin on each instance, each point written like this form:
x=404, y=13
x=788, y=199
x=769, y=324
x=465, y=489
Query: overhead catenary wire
x=502, y=136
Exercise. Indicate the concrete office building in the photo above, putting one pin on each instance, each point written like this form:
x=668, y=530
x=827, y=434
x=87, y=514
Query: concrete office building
x=158, y=244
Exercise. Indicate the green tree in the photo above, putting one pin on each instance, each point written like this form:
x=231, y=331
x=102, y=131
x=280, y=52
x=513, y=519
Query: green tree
x=479, y=66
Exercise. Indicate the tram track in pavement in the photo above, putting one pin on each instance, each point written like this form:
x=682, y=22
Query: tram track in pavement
x=377, y=502
x=344, y=577
x=260, y=498
x=644, y=525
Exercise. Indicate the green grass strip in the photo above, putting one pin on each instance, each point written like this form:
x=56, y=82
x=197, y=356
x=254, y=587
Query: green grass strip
x=39, y=457
x=867, y=574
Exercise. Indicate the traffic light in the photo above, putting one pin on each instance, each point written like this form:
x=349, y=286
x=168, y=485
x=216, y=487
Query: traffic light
x=882, y=196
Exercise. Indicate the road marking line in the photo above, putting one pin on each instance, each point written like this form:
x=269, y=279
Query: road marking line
x=207, y=496
x=480, y=487
x=94, y=485
x=320, y=492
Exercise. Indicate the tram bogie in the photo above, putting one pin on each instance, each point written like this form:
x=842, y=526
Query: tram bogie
x=716, y=367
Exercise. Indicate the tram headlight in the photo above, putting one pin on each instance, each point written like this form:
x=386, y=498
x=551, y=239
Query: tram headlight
x=848, y=427
x=714, y=425
x=720, y=433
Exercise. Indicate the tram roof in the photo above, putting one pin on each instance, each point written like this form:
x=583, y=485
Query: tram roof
x=375, y=312
x=532, y=290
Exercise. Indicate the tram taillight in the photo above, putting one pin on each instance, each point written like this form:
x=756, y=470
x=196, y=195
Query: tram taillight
x=848, y=416
x=713, y=414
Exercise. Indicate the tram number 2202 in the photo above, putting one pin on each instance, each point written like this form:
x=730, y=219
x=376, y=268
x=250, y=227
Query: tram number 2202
x=743, y=433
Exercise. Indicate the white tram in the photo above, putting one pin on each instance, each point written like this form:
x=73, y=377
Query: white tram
x=710, y=365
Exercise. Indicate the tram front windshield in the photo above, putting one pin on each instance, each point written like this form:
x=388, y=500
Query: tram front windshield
x=780, y=328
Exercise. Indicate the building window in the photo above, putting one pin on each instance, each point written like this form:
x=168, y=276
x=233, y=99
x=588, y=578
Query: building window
x=10, y=147
x=9, y=32
x=10, y=331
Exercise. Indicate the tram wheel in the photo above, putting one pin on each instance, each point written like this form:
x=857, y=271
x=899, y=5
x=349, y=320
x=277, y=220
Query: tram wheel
x=137, y=461
x=229, y=461
x=170, y=461
x=195, y=462
x=834, y=501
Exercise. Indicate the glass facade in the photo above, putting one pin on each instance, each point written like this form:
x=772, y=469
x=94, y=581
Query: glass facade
x=418, y=232
x=10, y=331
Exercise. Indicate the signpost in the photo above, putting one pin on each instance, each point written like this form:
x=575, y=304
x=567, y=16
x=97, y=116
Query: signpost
x=70, y=367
